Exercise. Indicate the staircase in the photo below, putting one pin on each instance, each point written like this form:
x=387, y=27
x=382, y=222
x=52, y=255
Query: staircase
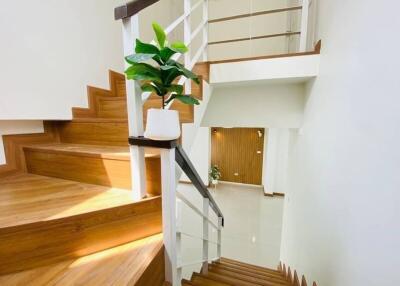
x=67, y=214
x=231, y=272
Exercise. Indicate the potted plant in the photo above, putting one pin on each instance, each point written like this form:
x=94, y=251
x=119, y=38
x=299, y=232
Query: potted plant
x=161, y=77
x=215, y=175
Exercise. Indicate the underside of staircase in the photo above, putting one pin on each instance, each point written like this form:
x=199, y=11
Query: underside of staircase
x=67, y=214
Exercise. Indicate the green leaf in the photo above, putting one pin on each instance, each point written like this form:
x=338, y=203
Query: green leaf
x=179, y=47
x=142, y=71
x=183, y=71
x=143, y=48
x=148, y=87
x=138, y=58
x=187, y=99
x=177, y=88
x=166, y=53
x=160, y=34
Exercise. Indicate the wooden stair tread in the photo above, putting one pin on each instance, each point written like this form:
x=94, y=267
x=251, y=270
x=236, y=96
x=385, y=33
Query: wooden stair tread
x=249, y=277
x=199, y=279
x=85, y=150
x=27, y=198
x=252, y=273
x=232, y=262
x=121, y=265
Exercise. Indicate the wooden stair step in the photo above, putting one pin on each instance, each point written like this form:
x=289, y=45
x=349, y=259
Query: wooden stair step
x=248, y=276
x=228, y=280
x=187, y=282
x=232, y=262
x=127, y=264
x=44, y=220
x=111, y=107
x=261, y=274
x=94, y=131
x=93, y=164
x=202, y=280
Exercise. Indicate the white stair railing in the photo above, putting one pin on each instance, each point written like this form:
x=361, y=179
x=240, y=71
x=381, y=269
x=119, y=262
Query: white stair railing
x=128, y=13
x=172, y=201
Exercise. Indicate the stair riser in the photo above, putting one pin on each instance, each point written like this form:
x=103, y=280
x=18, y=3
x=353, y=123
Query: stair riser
x=95, y=133
x=248, y=276
x=250, y=268
x=250, y=271
x=92, y=170
x=112, y=107
x=37, y=244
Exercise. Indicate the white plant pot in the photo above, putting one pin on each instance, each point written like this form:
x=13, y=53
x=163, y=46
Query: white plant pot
x=214, y=182
x=162, y=125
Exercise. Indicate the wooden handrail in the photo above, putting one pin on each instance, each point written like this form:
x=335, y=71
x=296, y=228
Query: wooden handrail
x=132, y=8
x=317, y=51
x=254, y=38
x=255, y=14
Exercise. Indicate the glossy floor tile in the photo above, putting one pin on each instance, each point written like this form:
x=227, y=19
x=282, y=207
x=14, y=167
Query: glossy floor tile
x=252, y=231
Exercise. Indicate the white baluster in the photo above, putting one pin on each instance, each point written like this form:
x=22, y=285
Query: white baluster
x=168, y=186
x=135, y=112
x=219, y=237
x=205, y=30
x=304, y=26
x=206, y=206
x=187, y=29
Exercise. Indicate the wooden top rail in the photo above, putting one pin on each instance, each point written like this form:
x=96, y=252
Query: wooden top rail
x=132, y=8
x=256, y=14
x=254, y=38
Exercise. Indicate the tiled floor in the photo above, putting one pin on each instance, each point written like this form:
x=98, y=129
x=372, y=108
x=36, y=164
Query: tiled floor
x=253, y=225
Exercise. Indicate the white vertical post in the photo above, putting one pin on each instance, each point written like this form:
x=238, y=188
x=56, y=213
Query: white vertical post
x=135, y=112
x=187, y=29
x=168, y=186
x=179, y=237
x=205, y=30
x=304, y=26
x=206, y=204
x=219, y=252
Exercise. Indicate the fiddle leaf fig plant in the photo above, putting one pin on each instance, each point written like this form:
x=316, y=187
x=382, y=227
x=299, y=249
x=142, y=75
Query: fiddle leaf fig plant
x=161, y=78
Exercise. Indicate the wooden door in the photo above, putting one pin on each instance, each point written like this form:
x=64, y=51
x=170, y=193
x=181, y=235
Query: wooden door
x=238, y=152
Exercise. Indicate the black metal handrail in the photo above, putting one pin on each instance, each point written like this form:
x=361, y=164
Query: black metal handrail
x=187, y=167
x=184, y=162
x=129, y=9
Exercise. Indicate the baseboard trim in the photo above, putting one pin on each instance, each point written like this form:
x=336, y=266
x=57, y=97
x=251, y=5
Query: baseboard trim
x=274, y=194
x=239, y=184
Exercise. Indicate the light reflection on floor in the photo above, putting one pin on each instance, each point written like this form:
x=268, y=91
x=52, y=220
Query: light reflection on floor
x=253, y=225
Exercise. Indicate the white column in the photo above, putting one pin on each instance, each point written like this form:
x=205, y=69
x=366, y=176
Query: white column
x=187, y=30
x=205, y=29
x=304, y=26
x=206, y=207
x=219, y=246
x=168, y=186
x=135, y=112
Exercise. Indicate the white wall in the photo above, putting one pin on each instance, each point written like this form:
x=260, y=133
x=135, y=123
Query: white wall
x=52, y=50
x=276, y=148
x=341, y=221
x=261, y=105
x=8, y=127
